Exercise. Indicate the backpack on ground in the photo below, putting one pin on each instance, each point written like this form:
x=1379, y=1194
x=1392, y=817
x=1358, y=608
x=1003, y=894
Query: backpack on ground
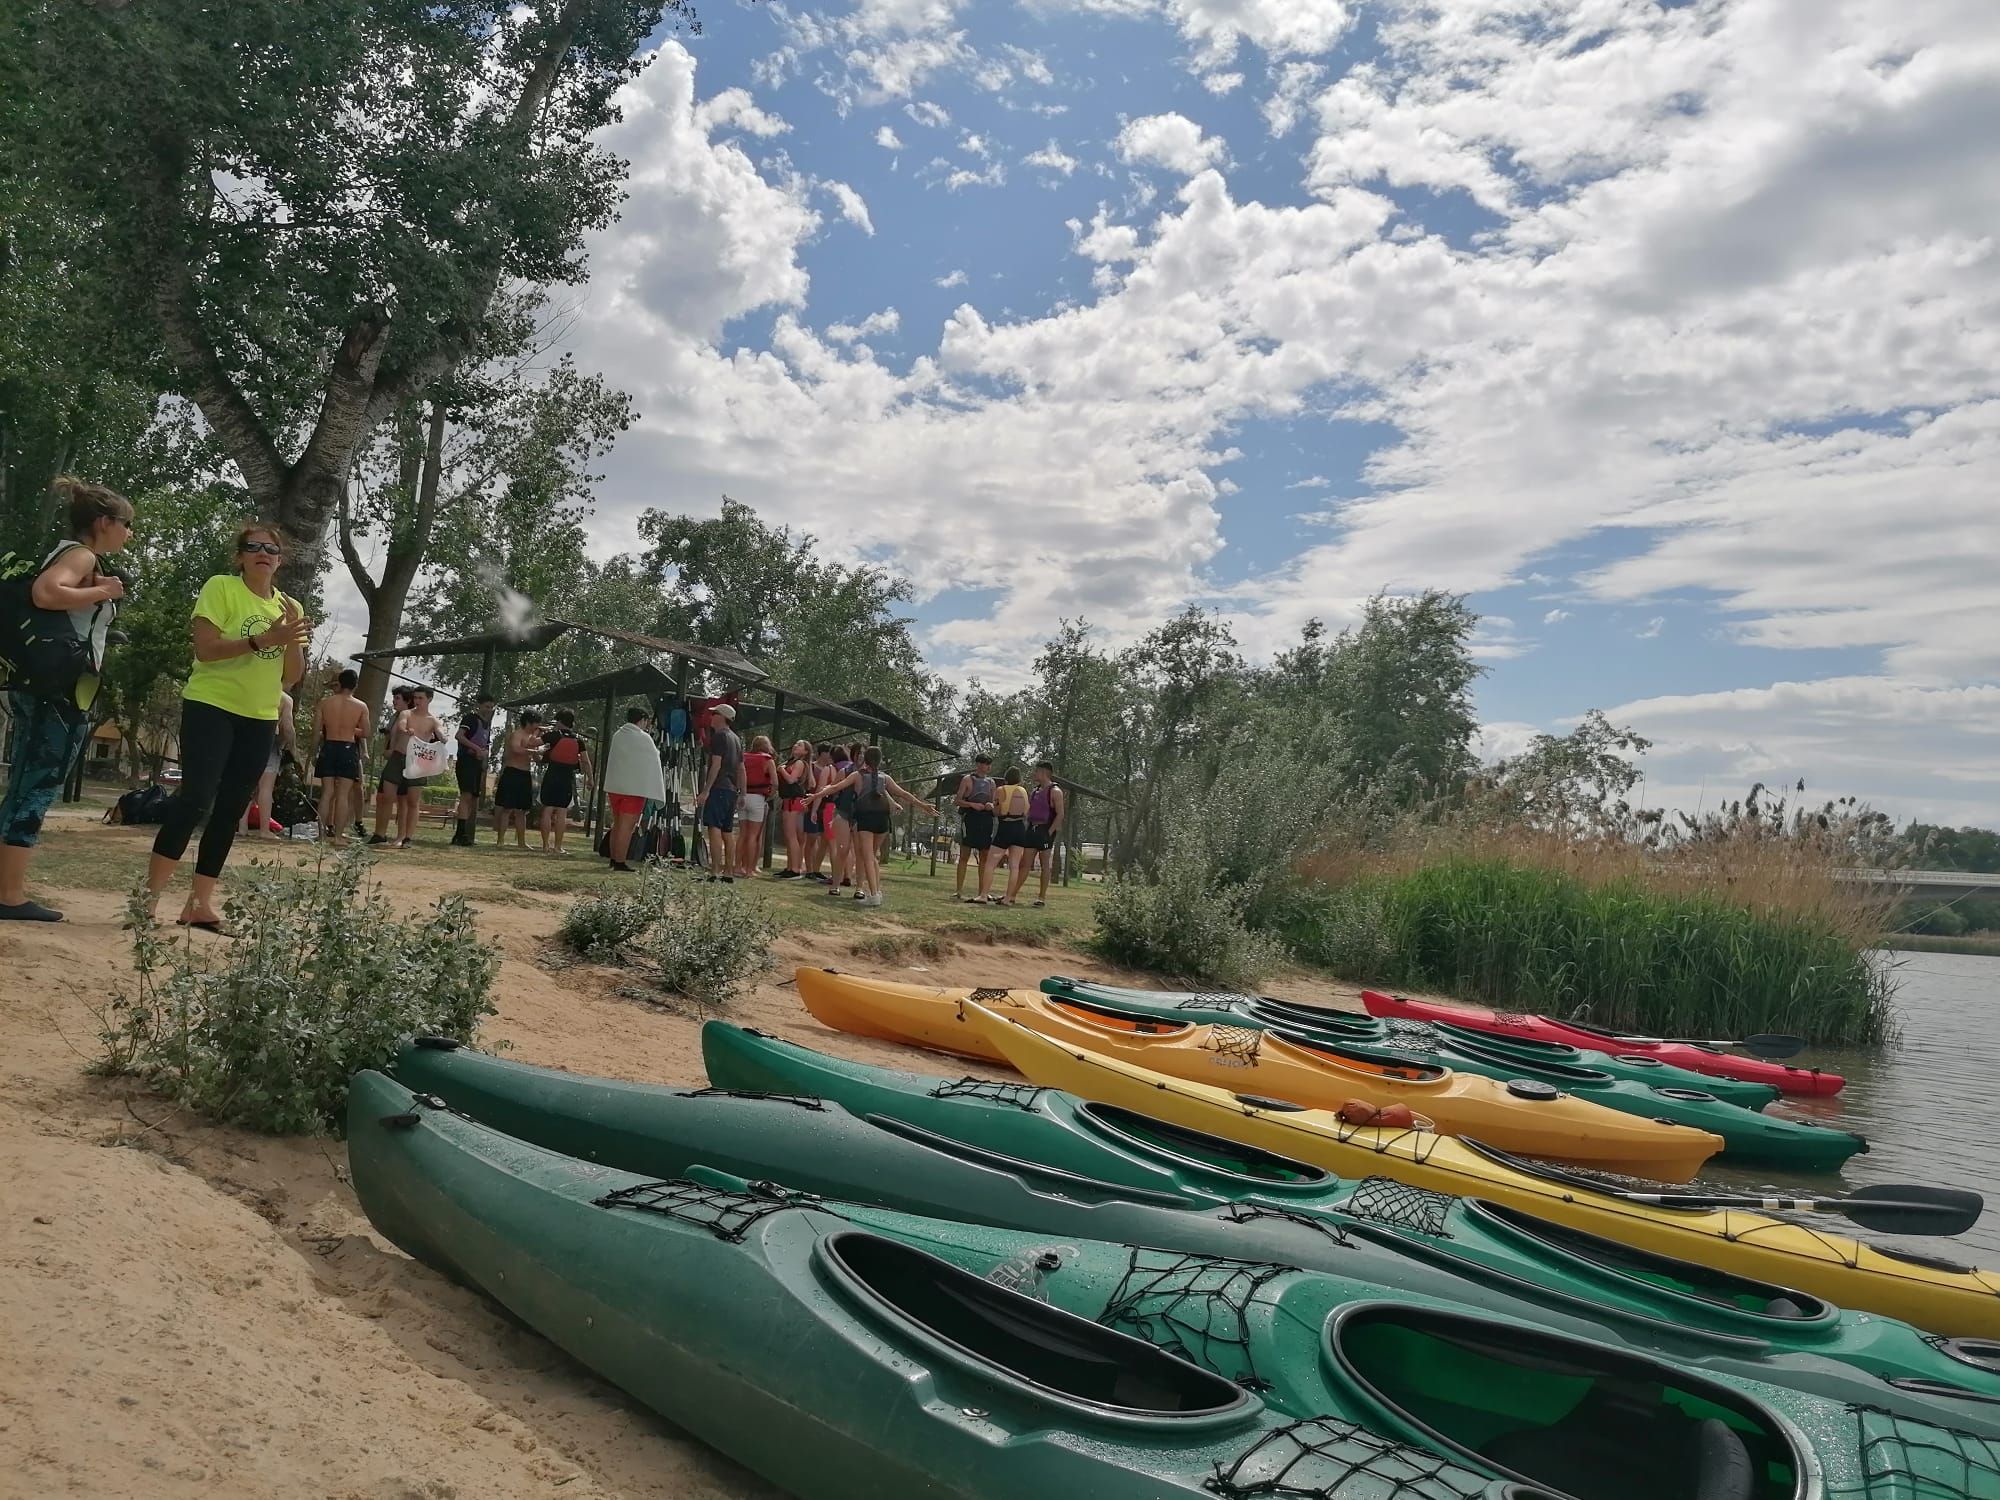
x=40, y=651
x=141, y=805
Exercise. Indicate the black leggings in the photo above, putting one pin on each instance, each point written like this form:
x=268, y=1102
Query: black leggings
x=222, y=756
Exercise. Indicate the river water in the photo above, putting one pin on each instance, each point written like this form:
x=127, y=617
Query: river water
x=1930, y=1107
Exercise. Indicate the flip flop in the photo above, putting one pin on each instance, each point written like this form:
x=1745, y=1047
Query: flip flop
x=214, y=927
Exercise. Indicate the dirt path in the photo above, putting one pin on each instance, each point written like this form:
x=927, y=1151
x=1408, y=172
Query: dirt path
x=194, y=1311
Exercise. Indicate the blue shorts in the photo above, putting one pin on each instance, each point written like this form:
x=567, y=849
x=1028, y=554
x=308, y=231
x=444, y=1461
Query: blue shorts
x=48, y=737
x=718, y=811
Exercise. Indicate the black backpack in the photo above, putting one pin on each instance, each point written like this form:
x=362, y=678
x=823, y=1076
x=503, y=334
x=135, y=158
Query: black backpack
x=870, y=795
x=40, y=651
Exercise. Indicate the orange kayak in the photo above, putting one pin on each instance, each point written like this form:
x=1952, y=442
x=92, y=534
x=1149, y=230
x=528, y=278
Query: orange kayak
x=1528, y=1118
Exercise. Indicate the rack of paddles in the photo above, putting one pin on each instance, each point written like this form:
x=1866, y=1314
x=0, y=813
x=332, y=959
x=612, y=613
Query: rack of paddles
x=861, y=1281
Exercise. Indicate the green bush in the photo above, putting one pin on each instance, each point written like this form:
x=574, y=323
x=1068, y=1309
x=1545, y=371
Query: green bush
x=1184, y=925
x=599, y=927
x=706, y=939
x=701, y=939
x=322, y=980
x=1616, y=953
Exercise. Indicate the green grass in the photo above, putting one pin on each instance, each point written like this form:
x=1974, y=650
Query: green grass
x=1618, y=953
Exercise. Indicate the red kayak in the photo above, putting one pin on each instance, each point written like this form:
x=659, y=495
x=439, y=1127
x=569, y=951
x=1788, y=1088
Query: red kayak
x=1717, y=1064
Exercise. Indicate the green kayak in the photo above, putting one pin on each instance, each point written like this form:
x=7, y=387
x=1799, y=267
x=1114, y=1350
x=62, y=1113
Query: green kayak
x=1688, y=1312
x=1434, y=1038
x=843, y=1364
x=1599, y=1422
x=1748, y=1135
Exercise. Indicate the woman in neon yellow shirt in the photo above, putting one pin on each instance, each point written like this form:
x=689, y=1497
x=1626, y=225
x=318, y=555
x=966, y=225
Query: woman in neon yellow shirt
x=249, y=646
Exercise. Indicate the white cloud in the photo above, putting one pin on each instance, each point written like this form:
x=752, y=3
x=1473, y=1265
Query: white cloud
x=1724, y=253
x=704, y=236
x=974, y=145
x=1652, y=628
x=925, y=113
x=852, y=207
x=1214, y=28
x=1555, y=617
x=1051, y=158
x=885, y=137
x=951, y=279
x=1310, y=482
x=888, y=320
x=1169, y=140
x=1290, y=84
x=736, y=109
x=1222, y=83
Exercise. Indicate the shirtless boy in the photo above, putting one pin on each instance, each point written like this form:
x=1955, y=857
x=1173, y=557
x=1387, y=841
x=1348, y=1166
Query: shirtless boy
x=514, y=796
x=342, y=724
x=395, y=741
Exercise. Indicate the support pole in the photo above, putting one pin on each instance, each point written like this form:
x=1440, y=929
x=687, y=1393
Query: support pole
x=778, y=751
x=603, y=764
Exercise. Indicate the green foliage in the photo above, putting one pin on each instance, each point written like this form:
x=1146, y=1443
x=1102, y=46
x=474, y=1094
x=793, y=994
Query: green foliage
x=1952, y=918
x=1397, y=691
x=1574, y=782
x=1619, y=953
x=1929, y=846
x=1180, y=923
x=323, y=979
x=598, y=927
x=699, y=938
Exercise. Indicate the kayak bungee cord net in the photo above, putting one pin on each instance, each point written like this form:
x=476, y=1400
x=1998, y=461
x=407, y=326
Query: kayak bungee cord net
x=1241, y=1042
x=1214, y=1000
x=726, y=1214
x=803, y=1101
x=1904, y=1459
x=1411, y=1036
x=1019, y=1095
x=1324, y=1458
x=1249, y=1213
x=1384, y=1200
x=1195, y=1307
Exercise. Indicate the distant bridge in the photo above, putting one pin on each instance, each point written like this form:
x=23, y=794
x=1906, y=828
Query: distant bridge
x=1929, y=885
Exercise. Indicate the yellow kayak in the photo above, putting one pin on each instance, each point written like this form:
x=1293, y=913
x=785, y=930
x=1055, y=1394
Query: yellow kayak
x=1531, y=1118
x=1955, y=1301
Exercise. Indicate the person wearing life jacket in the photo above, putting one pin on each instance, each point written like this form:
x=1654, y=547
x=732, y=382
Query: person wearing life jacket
x=975, y=825
x=1010, y=834
x=563, y=756
x=795, y=785
x=875, y=795
x=760, y=789
x=52, y=720
x=1047, y=804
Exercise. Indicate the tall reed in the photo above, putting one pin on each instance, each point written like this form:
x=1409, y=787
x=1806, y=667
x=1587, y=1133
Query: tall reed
x=1722, y=938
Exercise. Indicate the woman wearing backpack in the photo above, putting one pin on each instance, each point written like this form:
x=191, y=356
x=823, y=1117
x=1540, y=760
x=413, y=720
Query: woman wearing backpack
x=52, y=718
x=875, y=794
x=249, y=646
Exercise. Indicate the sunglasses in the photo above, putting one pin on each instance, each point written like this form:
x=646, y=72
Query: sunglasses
x=269, y=549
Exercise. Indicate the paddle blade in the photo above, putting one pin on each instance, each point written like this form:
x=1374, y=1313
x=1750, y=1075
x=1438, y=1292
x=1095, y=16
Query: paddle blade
x=1906, y=1208
x=1774, y=1046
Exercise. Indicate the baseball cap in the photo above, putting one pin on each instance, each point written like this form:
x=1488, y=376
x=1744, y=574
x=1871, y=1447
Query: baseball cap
x=725, y=710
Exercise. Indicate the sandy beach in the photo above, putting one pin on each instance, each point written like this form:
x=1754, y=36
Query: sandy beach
x=193, y=1311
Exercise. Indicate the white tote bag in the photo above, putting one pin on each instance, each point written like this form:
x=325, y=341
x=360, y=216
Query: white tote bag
x=423, y=760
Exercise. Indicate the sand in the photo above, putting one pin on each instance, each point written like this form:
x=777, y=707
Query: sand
x=187, y=1310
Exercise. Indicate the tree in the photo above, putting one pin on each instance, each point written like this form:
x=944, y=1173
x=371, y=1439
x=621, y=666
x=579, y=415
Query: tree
x=1398, y=693
x=1576, y=782
x=312, y=208
x=487, y=481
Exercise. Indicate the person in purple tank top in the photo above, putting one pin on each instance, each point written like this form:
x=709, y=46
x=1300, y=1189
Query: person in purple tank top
x=1047, y=804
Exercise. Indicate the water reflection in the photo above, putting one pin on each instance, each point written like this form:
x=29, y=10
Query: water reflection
x=1929, y=1107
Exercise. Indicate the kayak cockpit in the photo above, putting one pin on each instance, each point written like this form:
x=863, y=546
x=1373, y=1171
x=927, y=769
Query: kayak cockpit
x=1110, y=1018
x=1569, y=1074
x=1210, y=1154
x=1662, y=1275
x=1002, y=1335
x=1526, y=1046
x=1286, y=1012
x=1390, y=1065
x=1585, y=1419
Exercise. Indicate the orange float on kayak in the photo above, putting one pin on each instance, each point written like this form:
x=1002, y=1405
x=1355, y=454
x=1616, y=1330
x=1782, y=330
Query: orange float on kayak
x=1530, y=1118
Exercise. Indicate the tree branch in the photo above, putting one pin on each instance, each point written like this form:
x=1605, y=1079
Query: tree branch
x=344, y=409
x=356, y=569
x=156, y=185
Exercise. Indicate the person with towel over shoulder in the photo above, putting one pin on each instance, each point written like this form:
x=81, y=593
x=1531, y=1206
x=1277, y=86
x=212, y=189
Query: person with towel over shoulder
x=632, y=778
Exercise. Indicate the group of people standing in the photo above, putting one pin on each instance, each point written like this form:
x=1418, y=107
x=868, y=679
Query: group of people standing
x=998, y=819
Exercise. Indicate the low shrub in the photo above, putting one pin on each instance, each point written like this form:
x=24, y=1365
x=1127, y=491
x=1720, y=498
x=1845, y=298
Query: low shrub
x=598, y=927
x=1182, y=924
x=323, y=979
x=700, y=938
x=706, y=938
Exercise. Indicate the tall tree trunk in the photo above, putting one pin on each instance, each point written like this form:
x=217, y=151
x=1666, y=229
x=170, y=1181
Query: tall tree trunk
x=422, y=469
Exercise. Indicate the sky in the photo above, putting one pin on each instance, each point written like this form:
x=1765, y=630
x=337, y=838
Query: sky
x=1666, y=330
